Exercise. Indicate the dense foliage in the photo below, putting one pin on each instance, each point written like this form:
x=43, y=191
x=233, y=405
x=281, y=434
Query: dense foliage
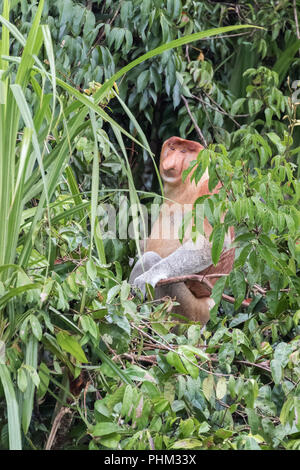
x=84, y=363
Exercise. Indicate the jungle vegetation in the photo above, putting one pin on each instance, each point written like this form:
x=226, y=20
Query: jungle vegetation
x=89, y=91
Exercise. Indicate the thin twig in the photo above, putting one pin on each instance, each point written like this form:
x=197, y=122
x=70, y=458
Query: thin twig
x=263, y=291
x=219, y=109
x=103, y=29
x=151, y=442
x=198, y=130
x=55, y=426
x=153, y=360
x=169, y=348
x=296, y=20
x=137, y=358
x=189, y=277
x=187, y=53
x=259, y=289
x=84, y=398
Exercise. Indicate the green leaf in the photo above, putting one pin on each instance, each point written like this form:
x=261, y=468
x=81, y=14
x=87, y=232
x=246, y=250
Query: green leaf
x=125, y=291
x=238, y=338
x=17, y=291
x=116, y=370
x=2, y=352
x=91, y=270
x=208, y=386
x=250, y=393
x=203, y=428
x=33, y=374
x=251, y=444
x=237, y=105
x=111, y=441
x=197, y=351
x=276, y=370
x=36, y=327
x=221, y=388
x=44, y=376
x=241, y=260
x=70, y=344
x=285, y=410
x=186, y=427
x=143, y=80
x=89, y=326
x=127, y=401
x=216, y=295
x=31, y=365
x=175, y=361
x=14, y=426
x=113, y=292
x=238, y=285
x=102, y=409
x=161, y=405
x=231, y=387
x=276, y=140
x=189, y=362
x=186, y=444
x=218, y=236
x=226, y=353
x=223, y=433
x=104, y=429
x=282, y=353
x=22, y=379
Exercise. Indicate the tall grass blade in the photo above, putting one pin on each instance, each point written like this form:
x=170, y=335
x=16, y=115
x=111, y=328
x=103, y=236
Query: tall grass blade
x=95, y=179
x=76, y=195
x=30, y=360
x=14, y=427
x=286, y=57
x=142, y=136
x=159, y=50
x=104, y=358
x=17, y=291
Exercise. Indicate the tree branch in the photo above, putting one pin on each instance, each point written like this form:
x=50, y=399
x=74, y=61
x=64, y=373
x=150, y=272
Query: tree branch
x=198, y=130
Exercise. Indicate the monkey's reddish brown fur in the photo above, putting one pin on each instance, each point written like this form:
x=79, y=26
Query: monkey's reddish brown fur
x=176, y=156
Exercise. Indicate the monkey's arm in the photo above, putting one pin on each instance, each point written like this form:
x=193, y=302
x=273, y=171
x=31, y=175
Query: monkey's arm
x=190, y=258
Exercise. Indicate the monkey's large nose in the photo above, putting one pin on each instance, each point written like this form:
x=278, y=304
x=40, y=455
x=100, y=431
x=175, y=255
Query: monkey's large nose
x=170, y=164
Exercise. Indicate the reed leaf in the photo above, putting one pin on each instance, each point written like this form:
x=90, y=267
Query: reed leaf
x=30, y=360
x=14, y=428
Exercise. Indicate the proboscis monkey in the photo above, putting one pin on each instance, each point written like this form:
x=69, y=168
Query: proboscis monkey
x=165, y=256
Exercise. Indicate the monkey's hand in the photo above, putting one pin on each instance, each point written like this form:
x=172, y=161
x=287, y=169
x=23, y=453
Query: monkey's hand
x=140, y=276
x=190, y=258
x=149, y=277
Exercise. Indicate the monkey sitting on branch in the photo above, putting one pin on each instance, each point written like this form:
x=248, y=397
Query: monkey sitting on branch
x=165, y=256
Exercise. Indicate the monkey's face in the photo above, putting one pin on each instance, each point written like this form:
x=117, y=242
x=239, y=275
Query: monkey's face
x=176, y=155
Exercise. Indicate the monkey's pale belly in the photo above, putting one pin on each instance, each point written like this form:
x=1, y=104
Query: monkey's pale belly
x=164, y=237
x=161, y=248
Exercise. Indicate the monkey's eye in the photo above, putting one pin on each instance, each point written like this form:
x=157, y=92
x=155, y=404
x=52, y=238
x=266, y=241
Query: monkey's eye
x=172, y=148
